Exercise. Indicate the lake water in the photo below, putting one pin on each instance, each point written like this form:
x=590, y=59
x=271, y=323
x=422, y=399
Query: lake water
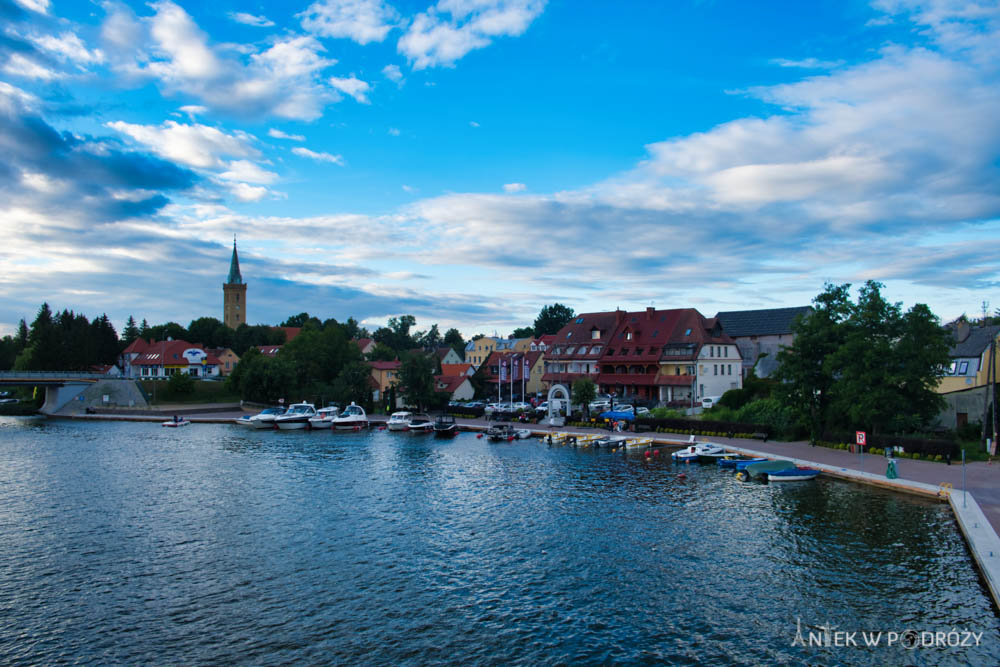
x=124, y=542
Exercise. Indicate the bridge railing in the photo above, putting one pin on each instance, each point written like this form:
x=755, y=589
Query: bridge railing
x=53, y=375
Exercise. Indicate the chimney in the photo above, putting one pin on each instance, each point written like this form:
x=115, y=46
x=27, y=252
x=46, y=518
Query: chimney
x=961, y=331
x=649, y=312
x=619, y=315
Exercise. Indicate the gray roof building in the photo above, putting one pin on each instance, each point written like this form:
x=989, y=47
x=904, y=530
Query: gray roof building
x=769, y=322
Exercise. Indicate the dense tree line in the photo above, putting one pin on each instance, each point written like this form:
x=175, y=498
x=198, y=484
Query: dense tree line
x=60, y=341
x=863, y=364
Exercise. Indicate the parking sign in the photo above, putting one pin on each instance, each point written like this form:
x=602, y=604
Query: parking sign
x=860, y=435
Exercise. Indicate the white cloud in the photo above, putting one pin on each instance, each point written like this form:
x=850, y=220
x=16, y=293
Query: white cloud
x=278, y=134
x=13, y=100
x=352, y=86
x=68, y=47
x=250, y=19
x=393, y=73
x=19, y=65
x=473, y=123
x=283, y=80
x=249, y=172
x=248, y=193
x=394, y=131
x=40, y=6
x=514, y=187
x=363, y=21
x=193, y=109
x=808, y=63
x=194, y=145
x=319, y=157
x=409, y=188
x=432, y=40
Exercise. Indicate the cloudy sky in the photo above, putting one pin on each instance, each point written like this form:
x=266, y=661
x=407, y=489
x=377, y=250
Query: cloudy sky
x=468, y=161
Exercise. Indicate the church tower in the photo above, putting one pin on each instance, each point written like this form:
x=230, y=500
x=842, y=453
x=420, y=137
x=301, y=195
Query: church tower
x=234, y=294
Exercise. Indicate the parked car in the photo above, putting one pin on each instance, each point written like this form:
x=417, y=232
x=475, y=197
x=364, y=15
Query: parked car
x=6, y=401
x=641, y=411
x=623, y=407
x=709, y=402
x=521, y=405
x=600, y=406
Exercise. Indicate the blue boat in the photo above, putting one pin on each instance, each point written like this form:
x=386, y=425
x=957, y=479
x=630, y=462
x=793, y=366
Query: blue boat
x=792, y=475
x=735, y=461
x=741, y=465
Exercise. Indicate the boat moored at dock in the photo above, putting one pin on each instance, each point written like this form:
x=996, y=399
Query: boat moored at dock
x=296, y=418
x=352, y=418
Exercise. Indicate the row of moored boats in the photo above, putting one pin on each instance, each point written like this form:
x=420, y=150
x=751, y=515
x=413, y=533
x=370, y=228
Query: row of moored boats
x=306, y=416
x=745, y=467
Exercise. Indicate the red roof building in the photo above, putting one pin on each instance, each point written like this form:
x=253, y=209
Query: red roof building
x=158, y=360
x=576, y=349
x=668, y=356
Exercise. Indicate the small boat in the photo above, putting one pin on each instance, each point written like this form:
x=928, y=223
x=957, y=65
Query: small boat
x=263, y=419
x=611, y=442
x=324, y=417
x=398, y=421
x=352, y=418
x=296, y=418
x=792, y=475
x=420, y=424
x=636, y=443
x=701, y=452
x=175, y=423
x=522, y=433
x=445, y=426
x=501, y=432
x=734, y=461
x=763, y=468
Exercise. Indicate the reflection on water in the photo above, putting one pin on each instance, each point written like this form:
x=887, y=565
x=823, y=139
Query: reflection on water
x=132, y=543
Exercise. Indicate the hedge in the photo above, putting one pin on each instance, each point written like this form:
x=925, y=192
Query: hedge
x=926, y=448
x=704, y=427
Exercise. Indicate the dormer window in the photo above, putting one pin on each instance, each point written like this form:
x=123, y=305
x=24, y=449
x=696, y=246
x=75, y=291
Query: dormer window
x=628, y=335
x=687, y=333
x=595, y=334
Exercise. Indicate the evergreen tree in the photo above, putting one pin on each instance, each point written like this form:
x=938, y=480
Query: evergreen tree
x=144, y=330
x=453, y=338
x=130, y=332
x=416, y=380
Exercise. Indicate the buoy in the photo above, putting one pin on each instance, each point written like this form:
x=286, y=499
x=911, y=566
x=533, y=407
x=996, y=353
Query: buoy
x=357, y=428
x=648, y=453
x=479, y=436
x=682, y=476
x=381, y=428
x=510, y=439
x=656, y=452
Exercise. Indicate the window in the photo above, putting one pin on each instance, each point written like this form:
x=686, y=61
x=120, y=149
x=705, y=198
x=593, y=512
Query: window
x=596, y=349
x=638, y=351
x=687, y=333
x=595, y=334
x=583, y=349
x=579, y=320
x=952, y=368
x=570, y=349
x=963, y=368
x=628, y=335
x=611, y=352
x=726, y=349
x=715, y=369
x=711, y=350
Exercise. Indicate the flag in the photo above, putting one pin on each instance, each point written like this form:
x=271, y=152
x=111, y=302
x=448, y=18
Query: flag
x=503, y=370
x=527, y=369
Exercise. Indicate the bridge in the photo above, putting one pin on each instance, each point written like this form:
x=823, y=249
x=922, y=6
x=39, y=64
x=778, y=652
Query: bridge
x=69, y=392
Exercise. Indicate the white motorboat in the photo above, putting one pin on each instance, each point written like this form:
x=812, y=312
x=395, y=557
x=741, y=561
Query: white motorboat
x=297, y=417
x=420, y=424
x=352, y=418
x=176, y=422
x=324, y=417
x=263, y=419
x=399, y=421
x=703, y=451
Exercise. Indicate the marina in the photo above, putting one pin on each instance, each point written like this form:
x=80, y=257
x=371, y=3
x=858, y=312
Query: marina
x=226, y=543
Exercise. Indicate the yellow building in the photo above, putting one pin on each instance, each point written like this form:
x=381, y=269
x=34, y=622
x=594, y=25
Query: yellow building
x=964, y=382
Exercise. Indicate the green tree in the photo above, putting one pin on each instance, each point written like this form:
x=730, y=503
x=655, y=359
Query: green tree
x=130, y=332
x=429, y=339
x=583, y=392
x=203, y=330
x=551, y=319
x=301, y=320
x=805, y=370
x=381, y=352
x=165, y=331
x=353, y=384
x=416, y=380
x=453, y=339
x=523, y=332
x=863, y=365
x=397, y=334
x=180, y=384
x=355, y=331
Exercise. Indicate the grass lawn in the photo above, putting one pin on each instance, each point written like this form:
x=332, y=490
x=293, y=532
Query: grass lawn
x=974, y=451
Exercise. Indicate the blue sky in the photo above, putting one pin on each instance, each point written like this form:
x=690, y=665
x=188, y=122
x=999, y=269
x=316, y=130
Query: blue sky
x=469, y=161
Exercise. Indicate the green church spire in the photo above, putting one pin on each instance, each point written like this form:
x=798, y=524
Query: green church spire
x=234, y=268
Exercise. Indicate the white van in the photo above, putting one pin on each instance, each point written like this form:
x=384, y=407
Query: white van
x=709, y=402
